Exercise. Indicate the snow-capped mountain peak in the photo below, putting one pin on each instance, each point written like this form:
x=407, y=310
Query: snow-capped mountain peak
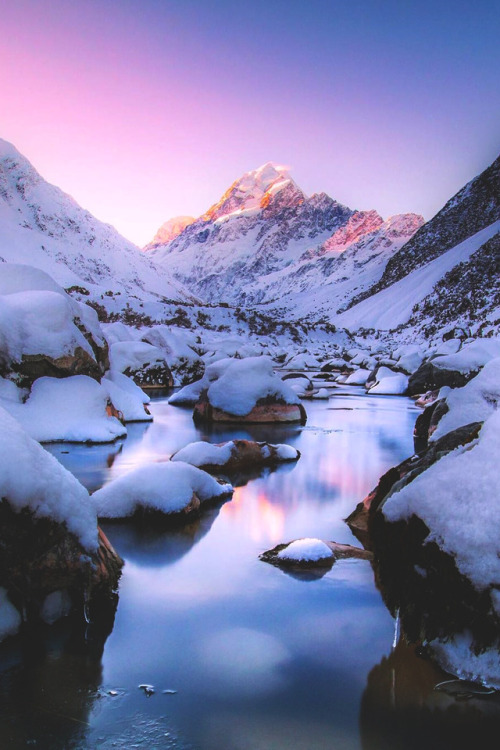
x=255, y=190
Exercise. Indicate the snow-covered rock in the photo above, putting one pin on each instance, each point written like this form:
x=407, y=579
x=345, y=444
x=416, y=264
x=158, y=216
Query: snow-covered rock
x=309, y=550
x=249, y=390
x=32, y=479
x=475, y=402
x=145, y=364
x=235, y=455
x=457, y=498
x=43, y=331
x=358, y=377
x=127, y=397
x=389, y=383
x=169, y=488
x=73, y=409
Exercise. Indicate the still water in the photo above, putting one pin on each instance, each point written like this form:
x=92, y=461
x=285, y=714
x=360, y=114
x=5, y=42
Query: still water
x=241, y=656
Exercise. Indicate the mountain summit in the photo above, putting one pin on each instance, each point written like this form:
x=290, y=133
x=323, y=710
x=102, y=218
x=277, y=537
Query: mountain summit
x=266, y=239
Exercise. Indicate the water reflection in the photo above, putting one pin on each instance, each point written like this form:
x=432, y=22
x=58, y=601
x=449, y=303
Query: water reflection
x=401, y=709
x=49, y=686
x=258, y=659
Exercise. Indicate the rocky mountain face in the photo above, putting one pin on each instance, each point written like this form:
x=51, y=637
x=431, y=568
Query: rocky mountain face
x=266, y=239
x=467, y=297
x=474, y=207
x=40, y=225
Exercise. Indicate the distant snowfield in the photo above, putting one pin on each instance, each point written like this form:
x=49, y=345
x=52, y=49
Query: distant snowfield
x=393, y=306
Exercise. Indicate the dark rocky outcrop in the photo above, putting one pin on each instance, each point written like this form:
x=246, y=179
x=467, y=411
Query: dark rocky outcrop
x=39, y=556
x=34, y=366
x=474, y=207
x=151, y=376
x=431, y=377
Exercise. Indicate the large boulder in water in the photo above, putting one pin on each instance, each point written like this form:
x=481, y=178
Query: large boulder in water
x=248, y=390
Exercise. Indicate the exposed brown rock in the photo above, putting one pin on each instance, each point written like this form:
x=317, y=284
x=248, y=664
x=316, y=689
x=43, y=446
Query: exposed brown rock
x=262, y=413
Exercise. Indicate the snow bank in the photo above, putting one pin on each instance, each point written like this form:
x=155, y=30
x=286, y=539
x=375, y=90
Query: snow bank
x=458, y=500
x=167, y=487
x=475, y=402
x=71, y=409
x=245, y=382
x=32, y=478
x=393, y=306
x=471, y=356
x=306, y=550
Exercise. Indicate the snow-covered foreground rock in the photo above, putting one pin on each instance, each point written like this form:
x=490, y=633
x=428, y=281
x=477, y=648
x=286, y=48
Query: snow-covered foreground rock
x=171, y=489
x=49, y=538
x=249, y=390
x=73, y=409
x=432, y=522
x=235, y=455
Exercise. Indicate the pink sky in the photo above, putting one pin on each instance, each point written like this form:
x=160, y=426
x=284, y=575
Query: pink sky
x=146, y=110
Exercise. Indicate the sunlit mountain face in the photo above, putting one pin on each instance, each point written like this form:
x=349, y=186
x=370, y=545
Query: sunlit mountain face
x=265, y=240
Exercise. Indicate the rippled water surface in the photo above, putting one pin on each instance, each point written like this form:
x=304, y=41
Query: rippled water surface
x=252, y=658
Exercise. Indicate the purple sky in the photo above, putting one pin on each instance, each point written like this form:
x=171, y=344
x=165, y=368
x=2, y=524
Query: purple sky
x=145, y=109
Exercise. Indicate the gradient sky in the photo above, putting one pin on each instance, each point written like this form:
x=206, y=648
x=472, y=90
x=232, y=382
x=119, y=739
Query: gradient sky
x=146, y=109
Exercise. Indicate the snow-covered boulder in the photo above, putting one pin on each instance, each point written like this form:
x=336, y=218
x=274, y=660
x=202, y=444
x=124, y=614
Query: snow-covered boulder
x=73, y=409
x=172, y=489
x=249, y=391
x=190, y=394
x=389, y=383
x=475, y=402
x=235, y=455
x=454, y=370
x=302, y=362
x=432, y=523
x=185, y=364
x=299, y=383
x=130, y=400
x=43, y=331
x=358, y=377
x=145, y=364
x=49, y=538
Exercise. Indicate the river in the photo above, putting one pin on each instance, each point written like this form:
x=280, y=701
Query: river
x=239, y=654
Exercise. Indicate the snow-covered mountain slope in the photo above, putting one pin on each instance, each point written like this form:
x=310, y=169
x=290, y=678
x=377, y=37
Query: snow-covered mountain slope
x=42, y=226
x=475, y=206
x=394, y=306
x=265, y=239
